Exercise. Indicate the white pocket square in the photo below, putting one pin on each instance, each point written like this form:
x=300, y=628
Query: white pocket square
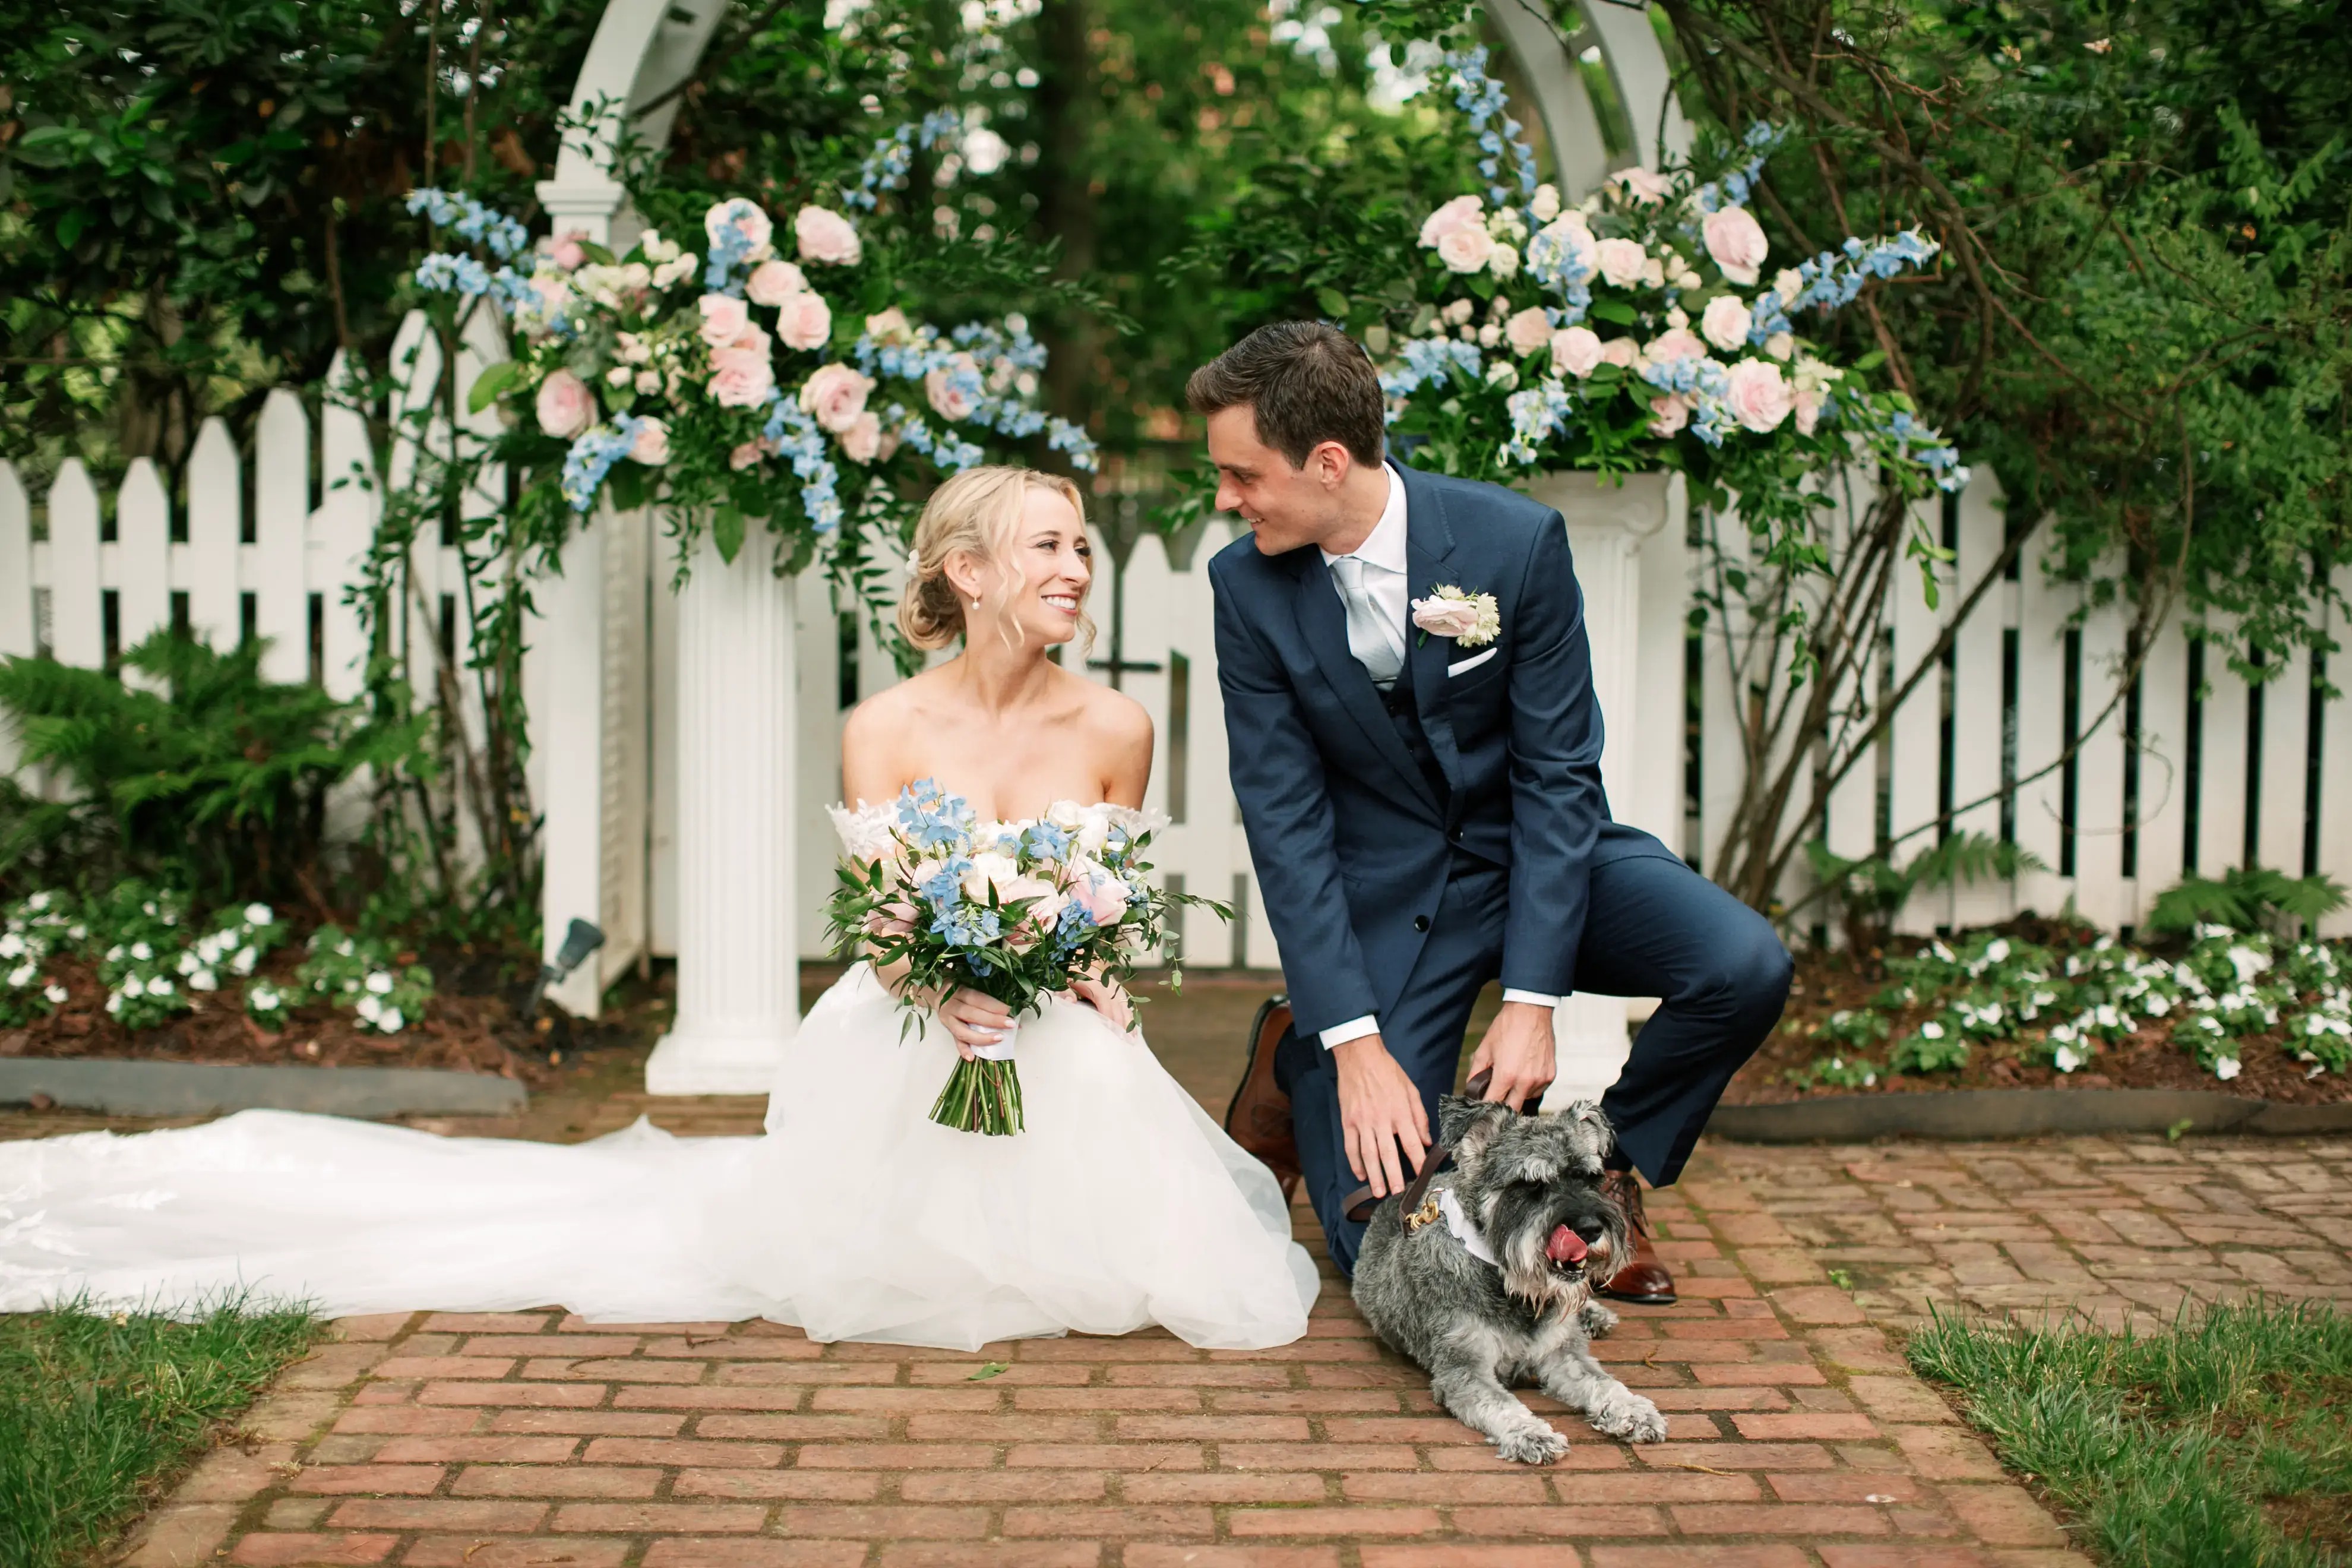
x=1471, y=663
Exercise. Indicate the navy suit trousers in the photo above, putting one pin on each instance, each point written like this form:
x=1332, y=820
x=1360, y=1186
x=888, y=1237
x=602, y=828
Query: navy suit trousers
x=1655, y=928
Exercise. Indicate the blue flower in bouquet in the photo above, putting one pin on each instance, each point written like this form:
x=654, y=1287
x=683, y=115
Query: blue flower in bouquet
x=1043, y=841
x=932, y=818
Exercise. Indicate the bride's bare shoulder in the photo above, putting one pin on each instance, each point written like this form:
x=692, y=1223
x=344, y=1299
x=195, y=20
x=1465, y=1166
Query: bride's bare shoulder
x=1113, y=715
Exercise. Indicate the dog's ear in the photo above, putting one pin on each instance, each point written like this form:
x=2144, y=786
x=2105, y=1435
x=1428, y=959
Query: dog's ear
x=1471, y=1125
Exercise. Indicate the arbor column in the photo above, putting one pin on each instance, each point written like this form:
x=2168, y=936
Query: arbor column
x=738, y=965
x=1607, y=523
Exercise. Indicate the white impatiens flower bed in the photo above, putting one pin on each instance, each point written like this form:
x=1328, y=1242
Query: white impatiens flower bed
x=2066, y=1006
x=361, y=973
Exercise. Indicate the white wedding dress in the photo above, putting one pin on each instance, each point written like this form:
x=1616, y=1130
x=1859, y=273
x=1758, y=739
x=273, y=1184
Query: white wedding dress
x=855, y=1216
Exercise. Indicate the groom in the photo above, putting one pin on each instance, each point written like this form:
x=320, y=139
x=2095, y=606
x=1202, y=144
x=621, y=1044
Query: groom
x=1424, y=807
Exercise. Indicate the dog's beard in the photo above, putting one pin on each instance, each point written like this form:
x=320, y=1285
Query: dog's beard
x=1529, y=1271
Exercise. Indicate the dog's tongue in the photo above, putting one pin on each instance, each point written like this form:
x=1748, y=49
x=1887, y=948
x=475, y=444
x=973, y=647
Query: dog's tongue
x=1565, y=1246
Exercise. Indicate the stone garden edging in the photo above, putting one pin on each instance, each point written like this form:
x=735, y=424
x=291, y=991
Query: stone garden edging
x=132, y=1088
x=1978, y=1113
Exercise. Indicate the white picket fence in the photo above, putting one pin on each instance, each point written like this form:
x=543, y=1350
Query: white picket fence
x=2255, y=760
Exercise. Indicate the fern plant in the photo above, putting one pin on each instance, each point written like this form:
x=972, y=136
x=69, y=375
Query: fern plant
x=1868, y=890
x=198, y=773
x=2246, y=898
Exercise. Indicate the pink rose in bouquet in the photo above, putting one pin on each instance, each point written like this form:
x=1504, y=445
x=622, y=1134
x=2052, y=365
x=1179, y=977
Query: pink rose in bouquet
x=836, y=394
x=862, y=442
x=741, y=378
x=1668, y=415
x=1726, y=322
x=724, y=317
x=1527, y=330
x=651, y=444
x=774, y=282
x=1576, y=351
x=1737, y=242
x=1758, y=397
x=826, y=235
x=951, y=389
x=566, y=407
x=804, y=322
x=1621, y=262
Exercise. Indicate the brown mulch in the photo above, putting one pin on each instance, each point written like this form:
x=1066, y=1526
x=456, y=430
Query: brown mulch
x=1829, y=982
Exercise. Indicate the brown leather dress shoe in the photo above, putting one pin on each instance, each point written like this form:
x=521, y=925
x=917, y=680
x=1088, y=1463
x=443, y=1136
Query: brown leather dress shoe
x=1643, y=1280
x=1259, y=1118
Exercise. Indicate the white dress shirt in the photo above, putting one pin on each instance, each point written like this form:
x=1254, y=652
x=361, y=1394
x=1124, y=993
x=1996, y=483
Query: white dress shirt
x=1387, y=580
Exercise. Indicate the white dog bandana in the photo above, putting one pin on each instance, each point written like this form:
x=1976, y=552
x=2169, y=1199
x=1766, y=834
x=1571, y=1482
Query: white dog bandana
x=1458, y=1221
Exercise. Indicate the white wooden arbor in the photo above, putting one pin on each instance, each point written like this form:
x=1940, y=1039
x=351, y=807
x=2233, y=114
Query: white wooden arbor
x=734, y=702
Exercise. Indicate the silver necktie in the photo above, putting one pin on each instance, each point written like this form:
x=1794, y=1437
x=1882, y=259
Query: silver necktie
x=1369, y=636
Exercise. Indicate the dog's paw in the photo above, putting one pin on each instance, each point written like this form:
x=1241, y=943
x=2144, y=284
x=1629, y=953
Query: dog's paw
x=1595, y=1319
x=1628, y=1416
x=1535, y=1444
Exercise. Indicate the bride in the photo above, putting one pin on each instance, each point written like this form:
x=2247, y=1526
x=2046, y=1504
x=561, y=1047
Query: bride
x=855, y=1216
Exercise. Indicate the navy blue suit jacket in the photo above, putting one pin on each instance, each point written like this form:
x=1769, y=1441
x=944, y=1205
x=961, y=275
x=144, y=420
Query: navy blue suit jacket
x=1351, y=844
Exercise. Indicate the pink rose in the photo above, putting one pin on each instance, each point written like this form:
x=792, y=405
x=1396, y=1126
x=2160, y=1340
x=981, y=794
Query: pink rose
x=652, y=444
x=772, y=282
x=741, y=378
x=724, y=317
x=1737, y=242
x=565, y=405
x=1619, y=352
x=1725, y=322
x=952, y=388
x=1445, y=618
x=890, y=326
x=1674, y=343
x=836, y=394
x=862, y=442
x=1809, y=411
x=744, y=455
x=1101, y=895
x=1645, y=187
x=1464, y=249
x=1668, y=415
x=1527, y=330
x=1576, y=351
x=566, y=252
x=1759, y=399
x=825, y=236
x=1460, y=213
x=804, y=321
x=1620, y=260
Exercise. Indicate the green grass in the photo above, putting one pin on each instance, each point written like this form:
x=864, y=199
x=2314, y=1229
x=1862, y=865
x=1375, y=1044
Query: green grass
x=2222, y=1442
x=100, y=1411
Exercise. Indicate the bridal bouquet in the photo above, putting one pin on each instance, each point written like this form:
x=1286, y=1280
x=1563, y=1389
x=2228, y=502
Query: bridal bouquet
x=1647, y=327
x=1011, y=909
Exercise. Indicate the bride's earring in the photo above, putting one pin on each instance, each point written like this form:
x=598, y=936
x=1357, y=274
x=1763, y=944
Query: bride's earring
x=975, y=603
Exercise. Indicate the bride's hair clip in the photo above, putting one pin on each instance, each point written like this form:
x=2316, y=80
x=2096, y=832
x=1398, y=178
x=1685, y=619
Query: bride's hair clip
x=914, y=564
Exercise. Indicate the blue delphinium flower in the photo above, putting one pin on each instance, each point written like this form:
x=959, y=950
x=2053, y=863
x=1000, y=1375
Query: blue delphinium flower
x=592, y=457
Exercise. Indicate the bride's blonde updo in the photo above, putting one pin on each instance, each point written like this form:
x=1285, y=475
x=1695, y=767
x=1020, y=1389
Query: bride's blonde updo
x=976, y=513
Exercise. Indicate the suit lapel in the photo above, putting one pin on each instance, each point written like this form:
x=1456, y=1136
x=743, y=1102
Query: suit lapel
x=1429, y=539
x=1323, y=621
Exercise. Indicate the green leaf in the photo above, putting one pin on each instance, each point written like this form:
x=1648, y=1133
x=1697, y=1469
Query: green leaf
x=727, y=532
x=69, y=226
x=1870, y=362
x=493, y=380
x=1333, y=304
x=989, y=1370
x=1615, y=311
x=629, y=481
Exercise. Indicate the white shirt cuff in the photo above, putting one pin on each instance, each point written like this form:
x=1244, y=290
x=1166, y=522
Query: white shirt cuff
x=1538, y=997
x=1353, y=1029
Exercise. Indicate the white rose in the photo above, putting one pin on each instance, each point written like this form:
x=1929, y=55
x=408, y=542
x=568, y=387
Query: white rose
x=1504, y=262
x=1576, y=351
x=1546, y=205
x=1465, y=249
x=1621, y=262
x=1779, y=345
x=1726, y=322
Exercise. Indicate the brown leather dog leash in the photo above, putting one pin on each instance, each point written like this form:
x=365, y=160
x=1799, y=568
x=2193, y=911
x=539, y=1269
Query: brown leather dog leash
x=1363, y=1201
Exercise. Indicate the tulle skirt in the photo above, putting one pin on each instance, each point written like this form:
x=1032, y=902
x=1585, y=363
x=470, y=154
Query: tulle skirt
x=855, y=1216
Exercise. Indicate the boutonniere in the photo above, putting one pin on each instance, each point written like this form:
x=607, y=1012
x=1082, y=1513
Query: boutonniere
x=1470, y=619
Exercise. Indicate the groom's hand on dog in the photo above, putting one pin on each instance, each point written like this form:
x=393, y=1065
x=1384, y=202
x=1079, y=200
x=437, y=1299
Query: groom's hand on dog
x=1517, y=1055
x=1380, y=1115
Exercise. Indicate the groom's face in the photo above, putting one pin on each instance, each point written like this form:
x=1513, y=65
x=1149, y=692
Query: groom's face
x=1287, y=507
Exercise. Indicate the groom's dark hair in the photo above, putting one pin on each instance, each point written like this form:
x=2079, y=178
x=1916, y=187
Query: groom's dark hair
x=1306, y=383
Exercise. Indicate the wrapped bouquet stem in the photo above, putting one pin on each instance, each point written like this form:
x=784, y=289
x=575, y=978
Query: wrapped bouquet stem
x=1013, y=911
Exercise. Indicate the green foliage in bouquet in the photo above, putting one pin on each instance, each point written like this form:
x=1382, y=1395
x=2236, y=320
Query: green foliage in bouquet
x=1014, y=911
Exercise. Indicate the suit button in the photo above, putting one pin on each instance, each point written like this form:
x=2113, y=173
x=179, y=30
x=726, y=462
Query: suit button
x=1421, y=923
x=1457, y=836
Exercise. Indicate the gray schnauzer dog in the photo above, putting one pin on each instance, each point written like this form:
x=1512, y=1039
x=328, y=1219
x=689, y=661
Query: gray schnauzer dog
x=1490, y=1282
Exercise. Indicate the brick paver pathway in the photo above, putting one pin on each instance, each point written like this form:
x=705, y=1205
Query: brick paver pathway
x=529, y=1439
x=2123, y=1229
